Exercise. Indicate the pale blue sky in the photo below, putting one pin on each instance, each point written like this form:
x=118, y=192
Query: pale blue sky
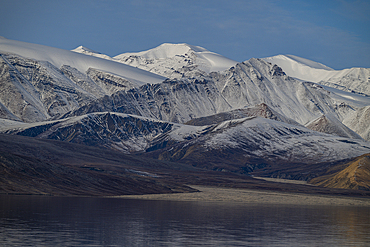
x=333, y=32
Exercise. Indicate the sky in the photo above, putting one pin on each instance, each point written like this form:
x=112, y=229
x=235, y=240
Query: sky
x=333, y=32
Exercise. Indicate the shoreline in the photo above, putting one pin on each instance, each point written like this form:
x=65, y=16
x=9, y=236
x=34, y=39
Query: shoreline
x=248, y=196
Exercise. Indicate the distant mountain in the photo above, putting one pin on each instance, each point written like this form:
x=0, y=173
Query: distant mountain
x=355, y=80
x=58, y=58
x=183, y=103
x=171, y=60
x=177, y=60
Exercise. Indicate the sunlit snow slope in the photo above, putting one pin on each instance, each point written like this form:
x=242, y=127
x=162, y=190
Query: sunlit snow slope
x=352, y=80
x=171, y=60
x=60, y=57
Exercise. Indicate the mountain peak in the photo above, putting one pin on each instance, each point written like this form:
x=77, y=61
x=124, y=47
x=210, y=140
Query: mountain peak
x=173, y=60
x=296, y=61
x=82, y=49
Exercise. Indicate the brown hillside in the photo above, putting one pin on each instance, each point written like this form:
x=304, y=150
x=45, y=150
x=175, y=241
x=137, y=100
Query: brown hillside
x=353, y=175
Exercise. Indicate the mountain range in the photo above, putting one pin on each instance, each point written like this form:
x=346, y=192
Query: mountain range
x=182, y=103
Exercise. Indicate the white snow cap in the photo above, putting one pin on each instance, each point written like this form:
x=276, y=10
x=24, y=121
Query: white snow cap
x=214, y=62
x=60, y=57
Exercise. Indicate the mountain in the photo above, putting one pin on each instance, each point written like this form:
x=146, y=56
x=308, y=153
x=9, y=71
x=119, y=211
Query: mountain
x=349, y=87
x=48, y=167
x=40, y=83
x=115, y=131
x=177, y=60
x=171, y=60
x=238, y=145
x=245, y=85
x=355, y=80
x=243, y=145
x=59, y=57
x=182, y=104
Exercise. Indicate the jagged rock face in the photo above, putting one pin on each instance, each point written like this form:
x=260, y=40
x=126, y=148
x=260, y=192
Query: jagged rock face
x=254, y=82
x=109, y=82
x=173, y=100
x=245, y=85
x=19, y=97
x=120, y=132
x=33, y=91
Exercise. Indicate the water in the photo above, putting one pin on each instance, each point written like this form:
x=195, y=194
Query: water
x=57, y=221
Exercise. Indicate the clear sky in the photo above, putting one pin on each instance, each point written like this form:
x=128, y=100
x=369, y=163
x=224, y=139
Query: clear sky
x=333, y=32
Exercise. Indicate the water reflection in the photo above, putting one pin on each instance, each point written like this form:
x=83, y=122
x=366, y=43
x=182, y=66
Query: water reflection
x=46, y=221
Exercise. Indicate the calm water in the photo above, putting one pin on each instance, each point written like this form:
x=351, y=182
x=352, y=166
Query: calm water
x=54, y=221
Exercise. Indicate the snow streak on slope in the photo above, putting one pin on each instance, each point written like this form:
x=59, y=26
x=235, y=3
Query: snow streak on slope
x=81, y=62
x=177, y=60
x=353, y=79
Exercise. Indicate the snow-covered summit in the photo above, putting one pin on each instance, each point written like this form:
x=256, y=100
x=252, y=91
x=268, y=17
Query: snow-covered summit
x=289, y=59
x=59, y=57
x=350, y=80
x=88, y=51
x=175, y=60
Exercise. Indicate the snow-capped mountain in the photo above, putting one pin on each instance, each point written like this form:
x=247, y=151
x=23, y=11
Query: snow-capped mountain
x=59, y=57
x=244, y=85
x=349, y=87
x=351, y=80
x=40, y=82
x=171, y=60
x=254, y=110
